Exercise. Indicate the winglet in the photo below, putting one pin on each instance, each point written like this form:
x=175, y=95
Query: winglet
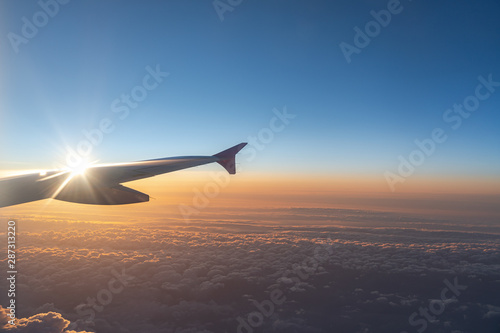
x=227, y=157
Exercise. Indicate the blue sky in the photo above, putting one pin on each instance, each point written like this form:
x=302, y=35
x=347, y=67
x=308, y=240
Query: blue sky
x=225, y=78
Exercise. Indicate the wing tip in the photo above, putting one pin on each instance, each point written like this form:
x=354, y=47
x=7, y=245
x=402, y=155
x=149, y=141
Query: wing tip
x=227, y=158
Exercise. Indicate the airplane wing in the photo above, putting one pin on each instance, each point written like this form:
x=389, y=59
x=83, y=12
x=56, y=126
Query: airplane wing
x=101, y=184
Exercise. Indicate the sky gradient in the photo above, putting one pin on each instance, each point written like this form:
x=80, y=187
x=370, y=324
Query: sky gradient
x=226, y=78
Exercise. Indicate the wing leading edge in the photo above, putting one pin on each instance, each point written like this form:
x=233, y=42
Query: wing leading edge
x=101, y=184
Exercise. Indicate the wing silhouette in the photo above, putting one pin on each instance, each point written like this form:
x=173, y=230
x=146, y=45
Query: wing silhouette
x=101, y=184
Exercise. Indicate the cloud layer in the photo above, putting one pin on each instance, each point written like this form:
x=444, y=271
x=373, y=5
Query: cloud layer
x=247, y=277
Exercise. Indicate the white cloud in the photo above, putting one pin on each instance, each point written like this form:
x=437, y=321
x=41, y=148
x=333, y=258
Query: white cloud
x=50, y=322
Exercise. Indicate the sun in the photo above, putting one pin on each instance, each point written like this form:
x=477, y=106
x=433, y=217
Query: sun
x=79, y=170
x=72, y=172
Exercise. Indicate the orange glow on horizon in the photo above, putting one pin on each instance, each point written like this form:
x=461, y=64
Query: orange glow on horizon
x=213, y=194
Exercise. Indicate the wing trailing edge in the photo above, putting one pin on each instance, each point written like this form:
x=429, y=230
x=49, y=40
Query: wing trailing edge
x=92, y=195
